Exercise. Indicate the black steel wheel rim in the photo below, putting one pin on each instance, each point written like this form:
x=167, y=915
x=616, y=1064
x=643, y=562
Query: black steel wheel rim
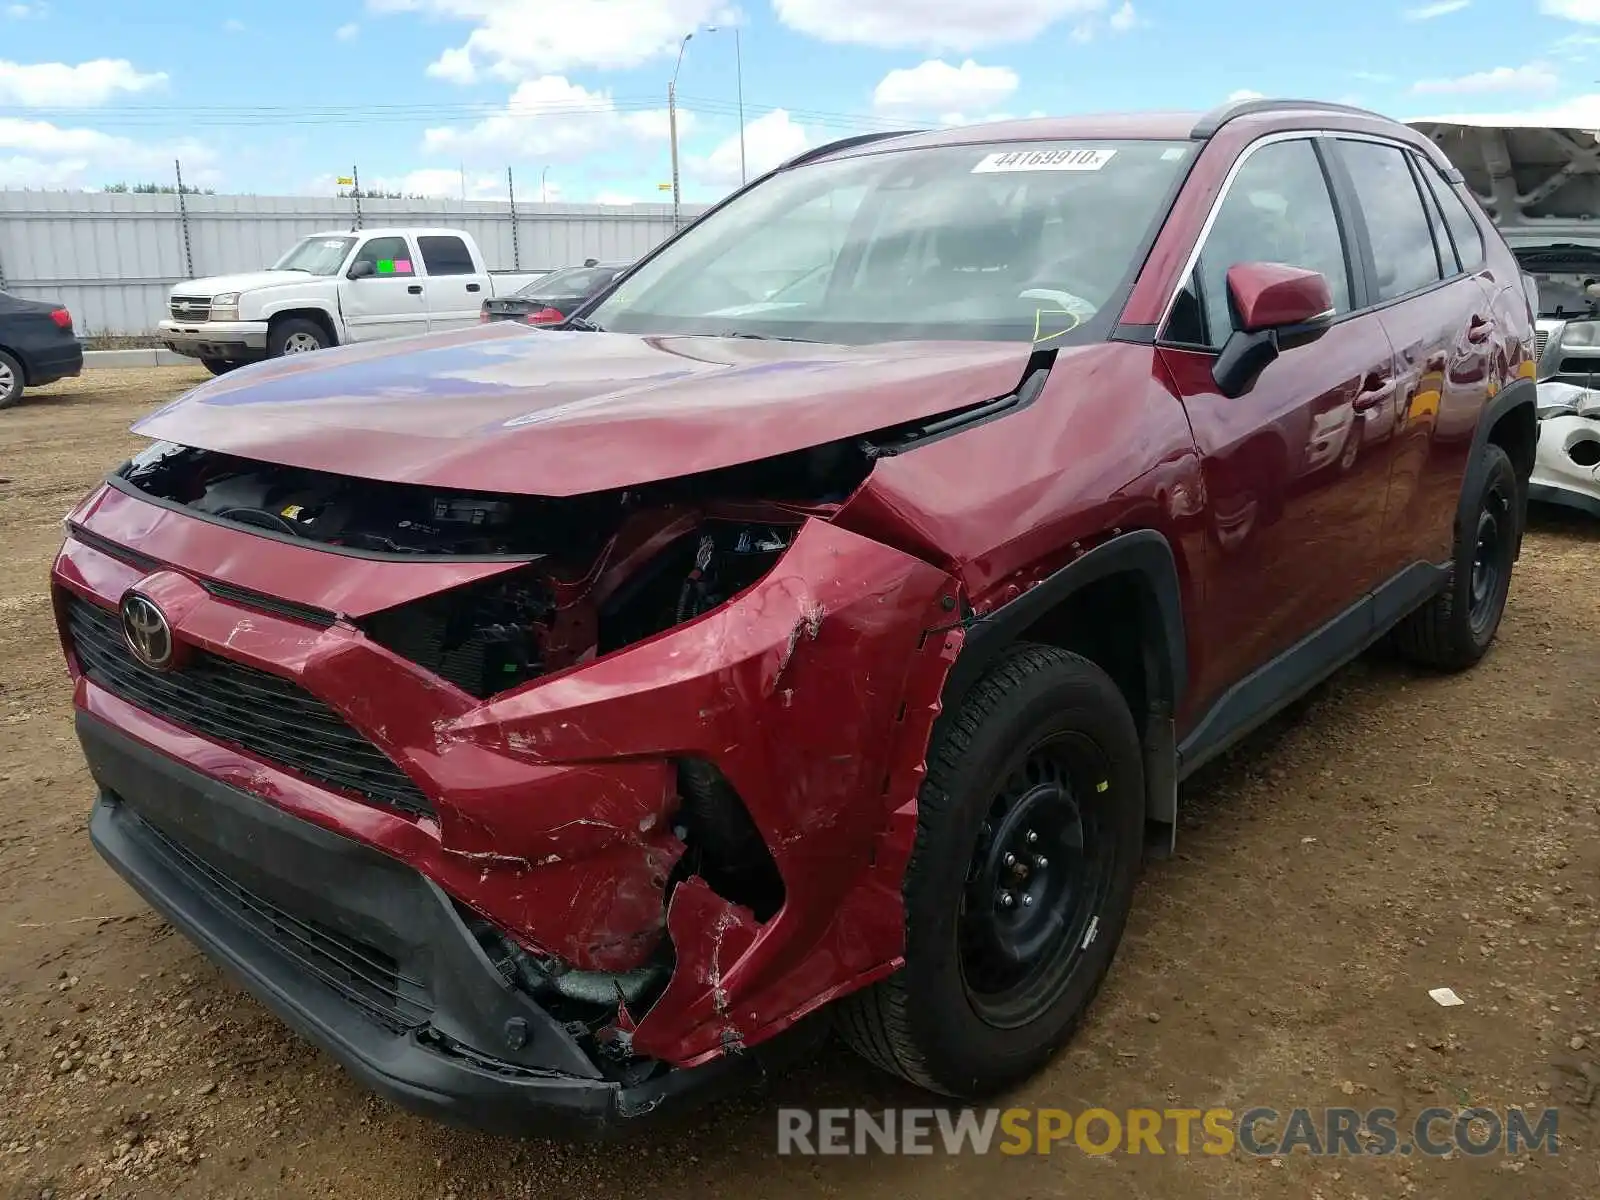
x=1038, y=878
x=1490, y=561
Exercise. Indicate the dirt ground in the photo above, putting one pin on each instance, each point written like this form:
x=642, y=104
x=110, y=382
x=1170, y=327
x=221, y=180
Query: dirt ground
x=1395, y=833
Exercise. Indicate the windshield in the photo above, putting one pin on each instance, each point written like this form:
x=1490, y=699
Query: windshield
x=1012, y=242
x=570, y=281
x=315, y=255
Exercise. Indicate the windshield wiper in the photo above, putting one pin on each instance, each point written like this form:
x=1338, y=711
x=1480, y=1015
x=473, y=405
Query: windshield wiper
x=1558, y=252
x=764, y=337
x=585, y=325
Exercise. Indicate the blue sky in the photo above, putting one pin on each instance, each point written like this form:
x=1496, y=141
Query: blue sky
x=282, y=97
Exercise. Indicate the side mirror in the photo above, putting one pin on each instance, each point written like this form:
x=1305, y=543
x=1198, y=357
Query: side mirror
x=1278, y=308
x=363, y=269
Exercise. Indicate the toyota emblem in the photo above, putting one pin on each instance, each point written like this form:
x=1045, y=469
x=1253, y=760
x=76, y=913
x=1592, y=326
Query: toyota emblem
x=145, y=628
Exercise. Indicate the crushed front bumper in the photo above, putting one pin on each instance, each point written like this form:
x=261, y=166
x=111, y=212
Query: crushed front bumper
x=365, y=957
x=1566, y=469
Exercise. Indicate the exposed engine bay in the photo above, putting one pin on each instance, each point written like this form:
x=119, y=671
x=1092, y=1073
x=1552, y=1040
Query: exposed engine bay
x=601, y=571
x=1568, y=276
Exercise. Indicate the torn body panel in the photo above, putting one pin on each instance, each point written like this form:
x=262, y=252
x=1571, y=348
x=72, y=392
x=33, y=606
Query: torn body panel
x=554, y=806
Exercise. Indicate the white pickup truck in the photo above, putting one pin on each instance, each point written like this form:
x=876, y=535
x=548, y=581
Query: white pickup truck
x=334, y=288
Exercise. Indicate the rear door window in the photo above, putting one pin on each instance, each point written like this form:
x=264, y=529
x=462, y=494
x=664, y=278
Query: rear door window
x=1403, y=250
x=444, y=254
x=1464, y=231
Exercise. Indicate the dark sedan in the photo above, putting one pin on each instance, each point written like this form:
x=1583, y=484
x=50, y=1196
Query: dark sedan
x=550, y=298
x=37, y=346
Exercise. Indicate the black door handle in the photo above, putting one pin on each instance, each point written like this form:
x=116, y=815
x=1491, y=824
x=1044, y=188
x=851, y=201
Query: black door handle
x=415, y=289
x=472, y=287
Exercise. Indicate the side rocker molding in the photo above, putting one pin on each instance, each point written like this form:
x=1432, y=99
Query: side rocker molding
x=1145, y=554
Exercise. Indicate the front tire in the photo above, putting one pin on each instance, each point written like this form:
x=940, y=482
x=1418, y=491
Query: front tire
x=296, y=336
x=1454, y=629
x=1029, y=838
x=11, y=382
x=220, y=366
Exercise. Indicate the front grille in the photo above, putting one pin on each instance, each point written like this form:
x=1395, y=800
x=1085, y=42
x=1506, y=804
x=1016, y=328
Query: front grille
x=229, y=702
x=363, y=974
x=191, y=308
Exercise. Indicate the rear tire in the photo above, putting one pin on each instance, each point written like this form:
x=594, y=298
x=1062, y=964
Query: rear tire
x=11, y=381
x=1454, y=629
x=296, y=336
x=1034, y=794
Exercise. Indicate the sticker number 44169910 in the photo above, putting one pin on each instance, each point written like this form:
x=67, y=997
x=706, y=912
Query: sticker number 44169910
x=1084, y=159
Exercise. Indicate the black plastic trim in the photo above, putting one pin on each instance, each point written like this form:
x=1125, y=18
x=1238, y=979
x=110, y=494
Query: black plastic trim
x=1565, y=498
x=845, y=143
x=915, y=435
x=1275, y=685
x=1209, y=125
x=462, y=1068
x=1143, y=552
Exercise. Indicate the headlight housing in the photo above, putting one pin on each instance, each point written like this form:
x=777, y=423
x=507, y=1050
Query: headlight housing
x=225, y=307
x=1581, y=334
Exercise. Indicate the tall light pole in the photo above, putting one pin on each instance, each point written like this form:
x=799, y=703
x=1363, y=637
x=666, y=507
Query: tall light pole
x=543, y=196
x=738, y=66
x=672, y=128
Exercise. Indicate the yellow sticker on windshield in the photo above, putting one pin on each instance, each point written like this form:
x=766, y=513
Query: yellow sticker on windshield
x=1053, y=323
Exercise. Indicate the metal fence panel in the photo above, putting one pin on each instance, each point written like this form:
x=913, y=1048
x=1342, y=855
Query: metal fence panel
x=112, y=257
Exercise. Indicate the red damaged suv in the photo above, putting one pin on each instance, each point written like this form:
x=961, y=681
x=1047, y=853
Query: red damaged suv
x=543, y=721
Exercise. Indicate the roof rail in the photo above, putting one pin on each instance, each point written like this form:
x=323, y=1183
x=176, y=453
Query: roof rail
x=859, y=139
x=1214, y=120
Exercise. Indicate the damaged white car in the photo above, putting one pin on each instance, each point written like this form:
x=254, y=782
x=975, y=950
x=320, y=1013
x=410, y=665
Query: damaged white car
x=1541, y=186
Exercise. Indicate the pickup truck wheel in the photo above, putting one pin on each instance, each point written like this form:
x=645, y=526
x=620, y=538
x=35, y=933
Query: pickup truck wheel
x=1454, y=629
x=10, y=380
x=220, y=366
x=296, y=336
x=1029, y=839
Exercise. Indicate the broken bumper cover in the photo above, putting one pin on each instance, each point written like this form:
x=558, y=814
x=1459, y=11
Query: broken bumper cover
x=1566, y=468
x=361, y=955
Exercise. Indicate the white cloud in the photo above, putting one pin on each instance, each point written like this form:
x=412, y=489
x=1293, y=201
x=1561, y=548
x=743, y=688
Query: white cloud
x=520, y=39
x=1124, y=19
x=938, y=25
x=1245, y=94
x=1578, y=112
x=936, y=86
x=769, y=140
x=550, y=119
x=21, y=12
x=42, y=154
x=1586, y=12
x=1535, y=77
x=347, y=31
x=87, y=85
x=234, y=25
x=1430, y=12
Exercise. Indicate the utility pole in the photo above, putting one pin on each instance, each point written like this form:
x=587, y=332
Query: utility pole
x=672, y=129
x=738, y=66
x=544, y=195
x=355, y=179
x=516, y=249
x=183, y=219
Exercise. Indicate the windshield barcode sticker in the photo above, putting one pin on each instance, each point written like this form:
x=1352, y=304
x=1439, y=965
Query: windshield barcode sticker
x=1044, y=160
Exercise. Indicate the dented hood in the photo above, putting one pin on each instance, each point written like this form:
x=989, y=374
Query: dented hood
x=507, y=408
